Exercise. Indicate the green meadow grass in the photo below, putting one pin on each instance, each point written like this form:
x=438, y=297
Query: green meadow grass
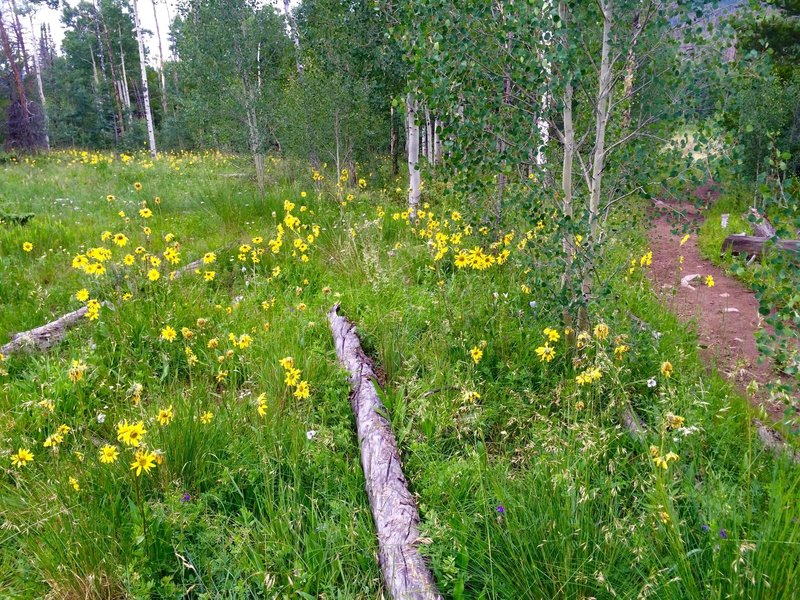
x=528, y=485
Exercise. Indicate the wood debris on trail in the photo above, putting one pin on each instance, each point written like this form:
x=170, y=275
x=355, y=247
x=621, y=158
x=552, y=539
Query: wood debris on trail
x=405, y=572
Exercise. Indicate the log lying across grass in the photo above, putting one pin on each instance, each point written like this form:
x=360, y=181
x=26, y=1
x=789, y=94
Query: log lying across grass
x=41, y=338
x=752, y=245
x=405, y=573
x=773, y=440
x=47, y=335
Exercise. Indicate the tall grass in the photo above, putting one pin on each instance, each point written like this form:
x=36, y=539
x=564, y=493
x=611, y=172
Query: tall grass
x=527, y=483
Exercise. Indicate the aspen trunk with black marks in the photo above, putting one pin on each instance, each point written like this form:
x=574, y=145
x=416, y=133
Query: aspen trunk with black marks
x=541, y=120
x=412, y=137
x=255, y=144
x=148, y=114
x=438, y=147
x=429, y=136
x=568, y=244
x=406, y=575
x=630, y=73
x=598, y=158
x=126, y=96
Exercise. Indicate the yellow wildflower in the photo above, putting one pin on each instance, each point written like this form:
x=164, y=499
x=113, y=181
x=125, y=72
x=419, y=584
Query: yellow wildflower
x=546, y=353
x=22, y=457
x=143, y=461
x=165, y=415
x=108, y=454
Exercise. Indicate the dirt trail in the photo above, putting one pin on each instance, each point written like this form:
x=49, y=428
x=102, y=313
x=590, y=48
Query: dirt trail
x=725, y=316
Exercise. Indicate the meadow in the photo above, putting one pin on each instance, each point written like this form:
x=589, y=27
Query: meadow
x=193, y=436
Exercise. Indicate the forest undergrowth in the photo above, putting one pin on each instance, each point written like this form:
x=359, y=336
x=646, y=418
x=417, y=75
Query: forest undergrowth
x=193, y=437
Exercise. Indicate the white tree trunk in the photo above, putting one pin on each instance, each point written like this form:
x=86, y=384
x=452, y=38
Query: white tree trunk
x=255, y=141
x=160, y=62
x=37, y=68
x=544, y=132
x=603, y=94
x=429, y=136
x=598, y=159
x=438, y=148
x=568, y=243
x=151, y=133
x=414, y=188
x=291, y=24
x=126, y=96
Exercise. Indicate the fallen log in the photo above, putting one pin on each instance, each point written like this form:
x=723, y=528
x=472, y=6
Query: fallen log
x=47, y=335
x=761, y=225
x=756, y=245
x=41, y=338
x=405, y=572
x=633, y=423
x=187, y=268
x=773, y=440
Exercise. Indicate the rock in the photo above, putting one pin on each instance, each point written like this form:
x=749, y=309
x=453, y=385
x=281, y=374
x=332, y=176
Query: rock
x=729, y=309
x=685, y=281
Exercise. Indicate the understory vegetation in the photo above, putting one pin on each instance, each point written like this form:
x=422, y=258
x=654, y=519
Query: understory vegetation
x=193, y=436
x=498, y=195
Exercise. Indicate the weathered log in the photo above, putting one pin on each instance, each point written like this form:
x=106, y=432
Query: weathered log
x=405, y=573
x=45, y=336
x=633, y=423
x=756, y=245
x=190, y=267
x=761, y=225
x=773, y=440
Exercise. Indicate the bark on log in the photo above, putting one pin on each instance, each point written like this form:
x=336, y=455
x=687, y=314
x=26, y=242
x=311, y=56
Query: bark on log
x=761, y=226
x=190, y=267
x=633, y=423
x=45, y=336
x=756, y=245
x=405, y=573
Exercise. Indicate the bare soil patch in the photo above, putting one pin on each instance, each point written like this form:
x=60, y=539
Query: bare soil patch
x=724, y=316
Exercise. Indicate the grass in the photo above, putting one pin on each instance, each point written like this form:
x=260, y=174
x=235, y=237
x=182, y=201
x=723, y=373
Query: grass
x=528, y=486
